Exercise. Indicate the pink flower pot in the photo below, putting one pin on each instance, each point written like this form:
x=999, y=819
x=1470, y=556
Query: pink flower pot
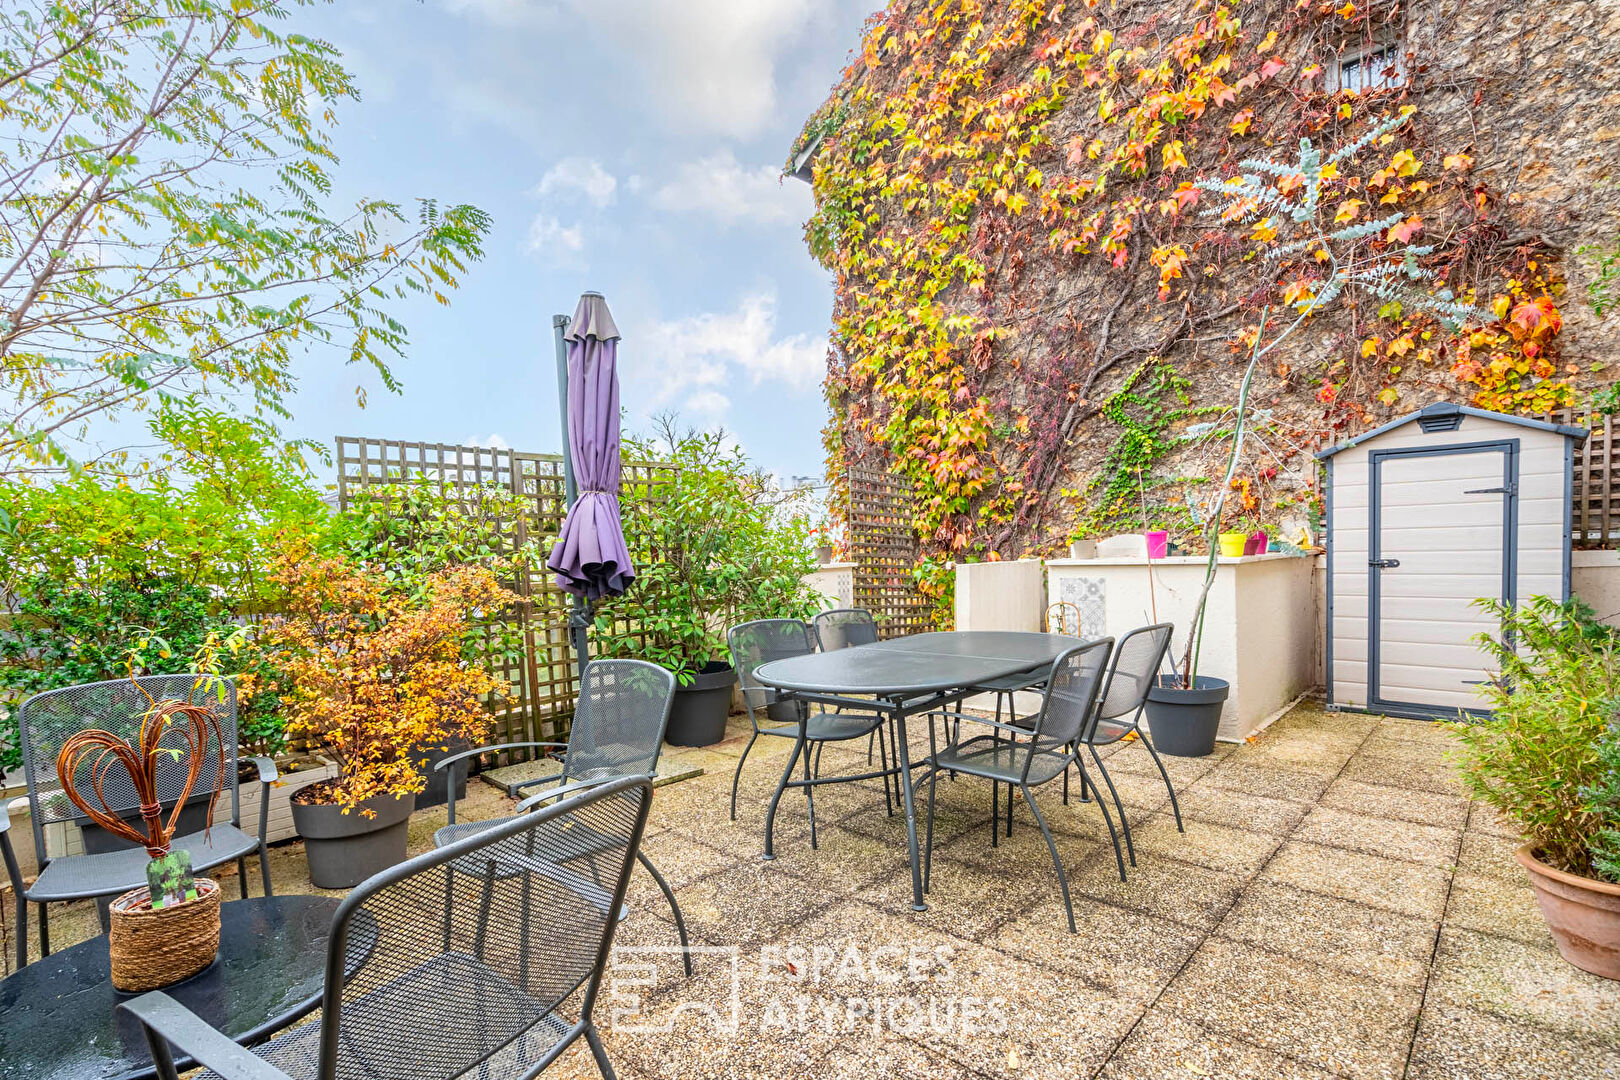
x=1158, y=542
x=1256, y=544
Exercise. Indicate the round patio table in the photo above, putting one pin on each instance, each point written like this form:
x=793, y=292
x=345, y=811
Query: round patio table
x=903, y=677
x=59, y=1018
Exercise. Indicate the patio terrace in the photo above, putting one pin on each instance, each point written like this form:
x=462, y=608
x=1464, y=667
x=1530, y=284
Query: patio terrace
x=1336, y=908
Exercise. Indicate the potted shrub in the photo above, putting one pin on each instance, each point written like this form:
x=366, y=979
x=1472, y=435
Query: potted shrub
x=376, y=676
x=726, y=546
x=1548, y=759
x=168, y=930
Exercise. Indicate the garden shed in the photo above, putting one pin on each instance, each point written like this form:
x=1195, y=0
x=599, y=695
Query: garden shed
x=1426, y=515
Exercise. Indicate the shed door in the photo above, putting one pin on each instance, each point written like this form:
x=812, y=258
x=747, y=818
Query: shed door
x=1443, y=536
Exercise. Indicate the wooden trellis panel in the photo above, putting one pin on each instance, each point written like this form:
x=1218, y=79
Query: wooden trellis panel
x=542, y=672
x=1595, y=510
x=883, y=547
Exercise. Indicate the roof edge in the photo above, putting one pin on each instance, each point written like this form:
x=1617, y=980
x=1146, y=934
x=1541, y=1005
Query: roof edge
x=1451, y=408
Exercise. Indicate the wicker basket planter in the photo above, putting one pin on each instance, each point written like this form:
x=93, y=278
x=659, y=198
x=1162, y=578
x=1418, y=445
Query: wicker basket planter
x=149, y=949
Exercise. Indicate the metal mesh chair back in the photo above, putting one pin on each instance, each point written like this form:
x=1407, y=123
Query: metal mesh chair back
x=45, y=721
x=759, y=642
x=1071, y=694
x=618, y=727
x=843, y=627
x=435, y=969
x=1136, y=666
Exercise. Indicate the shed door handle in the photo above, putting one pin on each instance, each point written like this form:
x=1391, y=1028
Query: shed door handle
x=1384, y=564
x=1510, y=489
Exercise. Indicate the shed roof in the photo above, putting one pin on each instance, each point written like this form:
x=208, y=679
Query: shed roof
x=1441, y=410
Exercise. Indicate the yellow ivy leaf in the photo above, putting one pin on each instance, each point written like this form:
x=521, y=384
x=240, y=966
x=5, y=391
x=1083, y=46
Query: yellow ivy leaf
x=1369, y=347
x=1240, y=122
x=1345, y=111
x=1458, y=161
x=1405, y=163
x=1174, y=156
x=1349, y=210
x=1263, y=231
x=1266, y=45
x=1388, y=395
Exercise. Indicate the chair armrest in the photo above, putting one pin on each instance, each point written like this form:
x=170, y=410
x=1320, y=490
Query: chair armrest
x=479, y=751
x=166, y=1022
x=268, y=773
x=567, y=789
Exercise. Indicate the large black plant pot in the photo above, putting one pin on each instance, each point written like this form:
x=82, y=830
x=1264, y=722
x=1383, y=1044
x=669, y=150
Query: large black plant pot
x=698, y=717
x=345, y=849
x=1184, y=722
x=437, y=792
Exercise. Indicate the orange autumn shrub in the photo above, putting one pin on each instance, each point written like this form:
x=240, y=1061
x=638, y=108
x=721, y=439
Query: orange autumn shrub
x=378, y=676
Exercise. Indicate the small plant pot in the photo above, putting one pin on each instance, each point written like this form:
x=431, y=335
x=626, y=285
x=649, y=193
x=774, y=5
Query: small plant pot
x=698, y=717
x=1158, y=543
x=1232, y=544
x=824, y=554
x=345, y=849
x=148, y=949
x=1256, y=544
x=1184, y=722
x=1083, y=549
x=1582, y=913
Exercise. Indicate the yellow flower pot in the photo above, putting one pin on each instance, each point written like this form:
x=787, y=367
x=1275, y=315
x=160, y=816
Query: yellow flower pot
x=1232, y=544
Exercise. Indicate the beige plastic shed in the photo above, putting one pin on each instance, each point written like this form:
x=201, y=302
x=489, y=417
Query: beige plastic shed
x=1425, y=515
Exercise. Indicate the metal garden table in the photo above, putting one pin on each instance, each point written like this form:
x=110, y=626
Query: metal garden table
x=902, y=678
x=59, y=1018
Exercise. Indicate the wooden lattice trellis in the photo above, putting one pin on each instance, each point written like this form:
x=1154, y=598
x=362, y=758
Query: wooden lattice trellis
x=1595, y=510
x=883, y=547
x=542, y=673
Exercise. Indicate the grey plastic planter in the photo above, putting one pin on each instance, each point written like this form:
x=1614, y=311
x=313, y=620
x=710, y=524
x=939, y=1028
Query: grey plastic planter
x=1184, y=722
x=698, y=717
x=345, y=849
x=437, y=792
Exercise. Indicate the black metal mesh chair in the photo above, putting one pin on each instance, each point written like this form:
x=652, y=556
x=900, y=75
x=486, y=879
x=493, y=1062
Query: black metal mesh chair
x=45, y=721
x=844, y=627
x=764, y=640
x=617, y=730
x=1046, y=753
x=1119, y=711
x=418, y=989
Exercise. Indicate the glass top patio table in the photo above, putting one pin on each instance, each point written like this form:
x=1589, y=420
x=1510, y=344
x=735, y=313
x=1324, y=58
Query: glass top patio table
x=59, y=1018
x=907, y=676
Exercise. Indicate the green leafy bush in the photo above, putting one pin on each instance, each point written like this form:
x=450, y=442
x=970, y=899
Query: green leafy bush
x=1537, y=758
x=725, y=547
x=1603, y=799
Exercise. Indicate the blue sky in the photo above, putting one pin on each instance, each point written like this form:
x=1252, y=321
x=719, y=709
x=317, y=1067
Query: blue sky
x=629, y=146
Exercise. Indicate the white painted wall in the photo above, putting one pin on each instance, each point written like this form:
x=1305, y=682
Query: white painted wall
x=1000, y=595
x=836, y=582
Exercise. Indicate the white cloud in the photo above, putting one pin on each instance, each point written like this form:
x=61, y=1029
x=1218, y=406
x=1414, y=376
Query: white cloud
x=581, y=175
x=564, y=244
x=493, y=441
x=720, y=187
x=693, y=360
x=710, y=65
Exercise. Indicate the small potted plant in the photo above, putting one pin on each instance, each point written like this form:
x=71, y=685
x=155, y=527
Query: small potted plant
x=1548, y=760
x=821, y=538
x=168, y=930
x=1259, y=539
x=376, y=677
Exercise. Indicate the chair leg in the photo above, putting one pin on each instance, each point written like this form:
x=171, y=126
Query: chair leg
x=810, y=797
x=1012, y=714
x=883, y=761
x=22, y=931
x=870, y=739
x=1124, y=822
x=1057, y=862
x=241, y=876
x=264, y=869
x=928, y=844
x=602, y=1063
x=1174, y=805
x=675, y=909
x=1107, y=820
x=44, y=931
x=776, y=798
x=736, y=776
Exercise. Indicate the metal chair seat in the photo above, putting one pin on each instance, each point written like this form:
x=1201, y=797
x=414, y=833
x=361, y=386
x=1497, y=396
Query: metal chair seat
x=998, y=759
x=829, y=727
x=77, y=877
x=1111, y=731
x=1022, y=680
x=408, y=1016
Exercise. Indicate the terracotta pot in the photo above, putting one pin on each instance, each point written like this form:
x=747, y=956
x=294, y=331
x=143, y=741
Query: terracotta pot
x=1582, y=913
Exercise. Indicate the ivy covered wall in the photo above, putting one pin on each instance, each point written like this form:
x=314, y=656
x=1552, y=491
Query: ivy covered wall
x=1041, y=320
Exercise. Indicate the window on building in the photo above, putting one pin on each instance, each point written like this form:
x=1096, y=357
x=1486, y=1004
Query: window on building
x=1378, y=68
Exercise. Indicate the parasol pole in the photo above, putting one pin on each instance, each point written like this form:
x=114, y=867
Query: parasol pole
x=580, y=618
